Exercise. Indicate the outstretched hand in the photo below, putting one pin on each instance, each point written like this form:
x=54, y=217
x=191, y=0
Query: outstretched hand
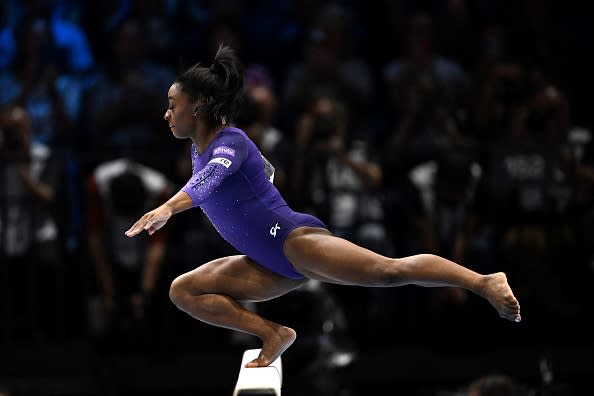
x=151, y=221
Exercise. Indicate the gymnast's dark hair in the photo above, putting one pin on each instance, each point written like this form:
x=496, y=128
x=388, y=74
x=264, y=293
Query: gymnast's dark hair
x=219, y=86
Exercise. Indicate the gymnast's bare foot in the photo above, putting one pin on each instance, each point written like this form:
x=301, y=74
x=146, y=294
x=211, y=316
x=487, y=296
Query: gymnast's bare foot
x=496, y=290
x=274, y=347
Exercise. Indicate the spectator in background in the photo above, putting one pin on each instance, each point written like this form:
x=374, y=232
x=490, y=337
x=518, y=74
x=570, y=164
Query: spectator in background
x=336, y=176
x=30, y=244
x=341, y=179
x=448, y=190
x=583, y=152
x=122, y=100
x=425, y=126
x=127, y=272
x=330, y=68
x=533, y=180
x=424, y=98
x=160, y=21
x=281, y=28
x=450, y=224
x=37, y=81
x=159, y=29
x=423, y=64
x=499, y=93
x=258, y=118
x=70, y=40
x=46, y=77
x=454, y=19
x=421, y=125
x=440, y=204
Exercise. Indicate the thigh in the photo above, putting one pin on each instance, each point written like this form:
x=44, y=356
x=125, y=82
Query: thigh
x=238, y=277
x=319, y=255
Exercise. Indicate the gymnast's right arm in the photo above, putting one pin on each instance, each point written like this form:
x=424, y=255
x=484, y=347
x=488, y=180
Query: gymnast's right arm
x=156, y=218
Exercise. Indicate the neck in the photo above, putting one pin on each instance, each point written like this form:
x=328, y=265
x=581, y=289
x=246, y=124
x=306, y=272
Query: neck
x=203, y=139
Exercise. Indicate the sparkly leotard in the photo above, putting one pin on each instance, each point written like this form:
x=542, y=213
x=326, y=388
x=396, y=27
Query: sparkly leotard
x=232, y=183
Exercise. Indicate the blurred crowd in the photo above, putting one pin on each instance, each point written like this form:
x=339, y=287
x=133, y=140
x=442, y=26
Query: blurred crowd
x=452, y=127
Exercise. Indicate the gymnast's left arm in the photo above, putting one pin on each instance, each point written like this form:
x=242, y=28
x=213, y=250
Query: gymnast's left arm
x=227, y=157
x=157, y=218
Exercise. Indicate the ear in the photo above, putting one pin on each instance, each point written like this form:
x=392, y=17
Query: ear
x=198, y=110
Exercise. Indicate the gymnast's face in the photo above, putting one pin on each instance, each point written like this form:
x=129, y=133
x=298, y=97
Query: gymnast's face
x=180, y=113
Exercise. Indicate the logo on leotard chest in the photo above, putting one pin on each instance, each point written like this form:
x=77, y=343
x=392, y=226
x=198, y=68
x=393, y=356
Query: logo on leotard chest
x=274, y=229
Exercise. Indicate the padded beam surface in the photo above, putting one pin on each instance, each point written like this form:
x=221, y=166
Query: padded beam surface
x=258, y=380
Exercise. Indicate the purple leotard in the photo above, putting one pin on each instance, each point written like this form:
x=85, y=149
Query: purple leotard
x=231, y=182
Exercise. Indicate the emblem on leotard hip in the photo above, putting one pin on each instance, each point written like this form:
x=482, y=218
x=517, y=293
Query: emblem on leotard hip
x=274, y=229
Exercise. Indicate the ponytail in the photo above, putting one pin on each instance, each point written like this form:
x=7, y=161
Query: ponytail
x=228, y=69
x=219, y=86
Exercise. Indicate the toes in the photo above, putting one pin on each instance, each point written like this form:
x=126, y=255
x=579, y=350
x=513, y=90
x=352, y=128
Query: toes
x=512, y=314
x=260, y=361
x=254, y=363
x=513, y=304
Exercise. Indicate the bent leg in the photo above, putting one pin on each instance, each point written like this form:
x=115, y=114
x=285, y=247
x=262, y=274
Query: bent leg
x=318, y=255
x=211, y=293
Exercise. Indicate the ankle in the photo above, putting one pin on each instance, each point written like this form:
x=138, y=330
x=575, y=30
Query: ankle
x=480, y=285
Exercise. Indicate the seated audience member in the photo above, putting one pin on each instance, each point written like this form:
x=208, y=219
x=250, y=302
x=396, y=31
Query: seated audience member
x=127, y=272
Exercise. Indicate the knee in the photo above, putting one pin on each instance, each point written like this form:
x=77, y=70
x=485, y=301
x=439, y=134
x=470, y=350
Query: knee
x=178, y=291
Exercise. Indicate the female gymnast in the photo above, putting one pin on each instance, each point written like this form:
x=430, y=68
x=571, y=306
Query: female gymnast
x=280, y=248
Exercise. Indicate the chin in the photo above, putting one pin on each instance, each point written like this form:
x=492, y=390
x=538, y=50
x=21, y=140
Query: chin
x=177, y=135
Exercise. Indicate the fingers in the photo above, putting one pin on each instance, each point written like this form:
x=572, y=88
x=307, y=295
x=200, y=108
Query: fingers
x=135, y=229
x=139, y=226
x=150, y=222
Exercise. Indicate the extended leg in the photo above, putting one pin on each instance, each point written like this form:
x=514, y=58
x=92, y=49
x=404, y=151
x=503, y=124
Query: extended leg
x=211, y=293
x=319, y=255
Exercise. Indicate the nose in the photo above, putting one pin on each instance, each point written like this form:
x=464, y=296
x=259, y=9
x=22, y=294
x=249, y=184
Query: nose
x=166, y=115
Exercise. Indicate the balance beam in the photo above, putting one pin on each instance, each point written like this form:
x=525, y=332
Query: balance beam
x=261, y=381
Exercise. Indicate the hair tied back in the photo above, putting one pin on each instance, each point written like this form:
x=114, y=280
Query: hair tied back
x=216, y=68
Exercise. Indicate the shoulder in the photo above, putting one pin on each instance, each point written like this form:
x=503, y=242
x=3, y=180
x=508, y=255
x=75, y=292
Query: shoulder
x=232, y=133
x=229, y=141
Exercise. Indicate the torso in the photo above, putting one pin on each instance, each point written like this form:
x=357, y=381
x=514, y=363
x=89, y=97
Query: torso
x=246, y=208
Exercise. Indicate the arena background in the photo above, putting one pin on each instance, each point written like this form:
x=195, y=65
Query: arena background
x=478, y=114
